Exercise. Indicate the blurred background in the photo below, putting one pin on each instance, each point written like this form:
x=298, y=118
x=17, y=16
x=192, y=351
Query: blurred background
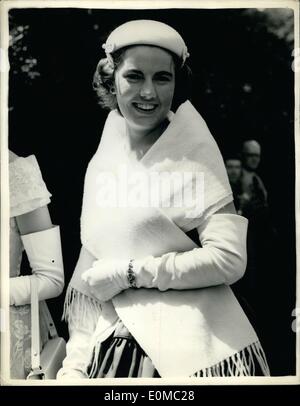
x=243, y=86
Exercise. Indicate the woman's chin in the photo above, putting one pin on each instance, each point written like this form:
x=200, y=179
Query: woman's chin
x=148, y=126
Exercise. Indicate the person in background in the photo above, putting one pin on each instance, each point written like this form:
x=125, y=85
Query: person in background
x=253, y=190
x=234, y=171
x=262, y=239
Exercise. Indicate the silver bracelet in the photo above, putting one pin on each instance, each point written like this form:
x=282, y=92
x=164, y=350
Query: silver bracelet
x=131, y=275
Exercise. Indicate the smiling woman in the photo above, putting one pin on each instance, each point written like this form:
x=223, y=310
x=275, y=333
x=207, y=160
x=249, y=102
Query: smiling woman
x=145, y=300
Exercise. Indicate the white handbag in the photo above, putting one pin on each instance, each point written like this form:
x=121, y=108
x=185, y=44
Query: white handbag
x=44, y=364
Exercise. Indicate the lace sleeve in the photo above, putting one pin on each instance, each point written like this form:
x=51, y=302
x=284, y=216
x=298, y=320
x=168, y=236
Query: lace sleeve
x=26, y=186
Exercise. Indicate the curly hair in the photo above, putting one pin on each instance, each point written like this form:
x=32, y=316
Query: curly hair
x=103, y=80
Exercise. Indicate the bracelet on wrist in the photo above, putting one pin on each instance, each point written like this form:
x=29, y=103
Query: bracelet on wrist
x=131, y=275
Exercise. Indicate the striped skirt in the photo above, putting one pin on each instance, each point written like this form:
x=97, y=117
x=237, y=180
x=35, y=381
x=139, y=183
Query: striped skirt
x=120, y=356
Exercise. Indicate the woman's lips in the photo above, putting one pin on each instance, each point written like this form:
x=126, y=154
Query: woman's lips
x=145, y=107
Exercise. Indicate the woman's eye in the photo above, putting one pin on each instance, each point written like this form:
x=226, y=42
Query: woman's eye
x=163, y=78
x=132, y=77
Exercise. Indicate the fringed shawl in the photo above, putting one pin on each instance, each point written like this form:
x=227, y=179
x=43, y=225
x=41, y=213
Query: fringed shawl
x=182, y=331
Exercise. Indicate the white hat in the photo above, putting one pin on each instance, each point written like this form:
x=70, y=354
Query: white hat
x=146, y=32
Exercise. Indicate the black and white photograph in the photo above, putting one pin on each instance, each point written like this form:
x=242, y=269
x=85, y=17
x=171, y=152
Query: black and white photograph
x=148, y=192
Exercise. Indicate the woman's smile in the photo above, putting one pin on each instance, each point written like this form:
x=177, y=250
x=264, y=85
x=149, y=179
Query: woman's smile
x=145, y=107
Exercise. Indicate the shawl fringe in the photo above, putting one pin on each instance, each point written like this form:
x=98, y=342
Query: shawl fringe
x=80, y=311
x=239, y=364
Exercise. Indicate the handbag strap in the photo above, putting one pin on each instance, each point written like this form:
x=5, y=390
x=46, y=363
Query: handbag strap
x=35, y=326
x=48, y=318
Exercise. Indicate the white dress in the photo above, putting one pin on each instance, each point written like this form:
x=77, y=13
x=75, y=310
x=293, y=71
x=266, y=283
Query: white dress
x=27, y=193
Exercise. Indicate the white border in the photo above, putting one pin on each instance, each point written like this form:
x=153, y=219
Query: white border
x=5, y=6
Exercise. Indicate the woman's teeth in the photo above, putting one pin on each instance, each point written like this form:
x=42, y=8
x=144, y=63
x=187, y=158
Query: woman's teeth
x=146, y=107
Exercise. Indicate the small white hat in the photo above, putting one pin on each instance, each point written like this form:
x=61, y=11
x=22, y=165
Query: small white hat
x=146, y=32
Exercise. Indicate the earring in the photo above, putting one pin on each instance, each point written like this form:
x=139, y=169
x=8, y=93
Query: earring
x=112, y=90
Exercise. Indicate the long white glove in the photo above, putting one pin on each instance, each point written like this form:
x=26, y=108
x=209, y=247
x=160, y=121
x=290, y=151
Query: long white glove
x=221, y=260
x=44, y=253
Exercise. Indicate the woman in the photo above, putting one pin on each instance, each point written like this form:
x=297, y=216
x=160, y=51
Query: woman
x=145, y=300
x=30, y=229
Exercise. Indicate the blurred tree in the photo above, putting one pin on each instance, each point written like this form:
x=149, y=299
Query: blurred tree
x=21, y=61
x=279, y=22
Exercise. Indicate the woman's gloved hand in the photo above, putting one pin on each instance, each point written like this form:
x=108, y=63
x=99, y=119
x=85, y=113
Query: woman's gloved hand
x=107, y=278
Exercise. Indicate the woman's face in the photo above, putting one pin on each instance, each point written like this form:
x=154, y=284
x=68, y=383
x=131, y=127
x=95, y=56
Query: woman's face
x=144, y=84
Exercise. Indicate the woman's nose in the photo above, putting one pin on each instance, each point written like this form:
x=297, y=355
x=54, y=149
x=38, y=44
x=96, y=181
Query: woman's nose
x=147, y=90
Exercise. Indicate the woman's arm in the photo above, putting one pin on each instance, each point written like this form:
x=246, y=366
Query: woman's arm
x=34, y=221
x=42, y=244
x=220, y=260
